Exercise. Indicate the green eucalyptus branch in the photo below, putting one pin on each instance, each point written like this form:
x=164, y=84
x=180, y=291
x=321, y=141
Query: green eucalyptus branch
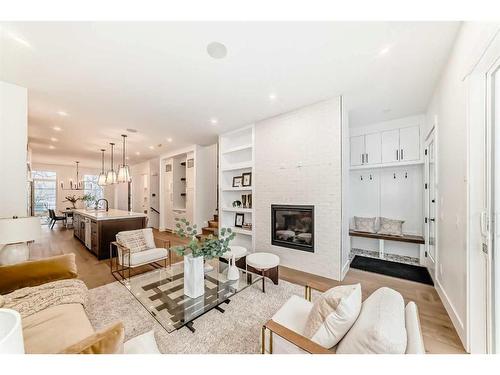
x=208, y=247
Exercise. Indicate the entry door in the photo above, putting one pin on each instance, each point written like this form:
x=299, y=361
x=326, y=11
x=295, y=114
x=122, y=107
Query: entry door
x=430, y=201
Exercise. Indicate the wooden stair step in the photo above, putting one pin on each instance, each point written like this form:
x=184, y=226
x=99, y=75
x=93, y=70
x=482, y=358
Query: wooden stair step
x=216, y=217
x=209, y=230
x=213, y=224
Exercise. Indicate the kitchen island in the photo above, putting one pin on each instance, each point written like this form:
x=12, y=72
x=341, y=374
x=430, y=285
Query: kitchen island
x=98, y=228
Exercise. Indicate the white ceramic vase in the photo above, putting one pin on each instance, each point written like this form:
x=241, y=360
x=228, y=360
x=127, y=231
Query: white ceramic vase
x=194, y=276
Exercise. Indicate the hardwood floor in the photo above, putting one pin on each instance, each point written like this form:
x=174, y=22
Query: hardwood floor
x=439, y=333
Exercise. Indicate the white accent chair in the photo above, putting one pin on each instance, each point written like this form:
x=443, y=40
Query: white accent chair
x=383, y=326
x=127, y=259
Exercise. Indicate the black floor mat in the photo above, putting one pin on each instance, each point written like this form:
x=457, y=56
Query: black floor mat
x=384, y=267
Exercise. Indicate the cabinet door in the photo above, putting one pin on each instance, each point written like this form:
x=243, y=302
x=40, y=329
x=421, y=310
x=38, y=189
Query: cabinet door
x=409, y=143
x=373, y=148
x=357, y=149
x=390, y=146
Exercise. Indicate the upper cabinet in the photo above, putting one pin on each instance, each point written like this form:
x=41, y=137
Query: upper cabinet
x=365, y=149
x=385, y=147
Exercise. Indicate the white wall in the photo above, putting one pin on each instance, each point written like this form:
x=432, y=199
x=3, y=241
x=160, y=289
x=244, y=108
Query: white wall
x=448, y=108
x=205, y=202
x=13, y=146
x=298, y=161
x=64, y=173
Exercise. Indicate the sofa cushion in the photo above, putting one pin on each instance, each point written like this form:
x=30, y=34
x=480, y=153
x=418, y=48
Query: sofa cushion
x=54, y=329
x=133, y=240
x=142, y=344
x=37, y=272
x=380, y=327
x=333, y=314
x=146, y=256
x=415, y=342
x=108, y=340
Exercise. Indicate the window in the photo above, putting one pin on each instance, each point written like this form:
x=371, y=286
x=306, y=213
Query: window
x=44, y=192
x=91, y=186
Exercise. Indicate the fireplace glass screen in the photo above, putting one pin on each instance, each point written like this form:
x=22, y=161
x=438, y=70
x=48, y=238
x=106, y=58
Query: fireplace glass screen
x=293, y=227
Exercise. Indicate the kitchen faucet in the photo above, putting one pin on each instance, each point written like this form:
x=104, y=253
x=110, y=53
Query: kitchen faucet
x=102, y=199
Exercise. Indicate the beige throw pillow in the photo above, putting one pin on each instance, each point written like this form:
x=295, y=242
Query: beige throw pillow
x=333, y=314
x=134, y=240
x=391, y=227
x=364, y=224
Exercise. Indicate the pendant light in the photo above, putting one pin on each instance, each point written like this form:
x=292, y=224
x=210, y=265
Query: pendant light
x=123, y=171
x=111, y=176
x=102, y=176
x=74, y=185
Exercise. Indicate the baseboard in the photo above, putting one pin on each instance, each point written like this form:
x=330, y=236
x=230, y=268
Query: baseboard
x=345, y=269
x=452, y=313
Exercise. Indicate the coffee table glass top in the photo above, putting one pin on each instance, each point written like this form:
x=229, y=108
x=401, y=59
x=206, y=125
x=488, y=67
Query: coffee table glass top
x=161, y=292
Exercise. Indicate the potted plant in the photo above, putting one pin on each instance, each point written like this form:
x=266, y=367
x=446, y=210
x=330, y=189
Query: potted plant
x=196, y=251
x=72, y=199
x=88, y=199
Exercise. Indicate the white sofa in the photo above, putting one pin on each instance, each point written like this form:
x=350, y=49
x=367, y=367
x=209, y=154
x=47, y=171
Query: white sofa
x=384, y=326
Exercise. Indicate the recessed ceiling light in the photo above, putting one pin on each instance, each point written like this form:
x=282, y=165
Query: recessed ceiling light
x=57, y=128
x=62, y=113
x=169, y=139
x=272, y=96
x=137, y=153
x=127, y=158
x=52, y=147
x=54, y=139
x=18, y=39
x=384, y=50
x=214, y=121
x=151, y=147
x=217, y=50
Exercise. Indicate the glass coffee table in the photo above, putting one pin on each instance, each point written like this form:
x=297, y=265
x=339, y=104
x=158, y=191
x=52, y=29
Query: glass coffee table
x=161, y=292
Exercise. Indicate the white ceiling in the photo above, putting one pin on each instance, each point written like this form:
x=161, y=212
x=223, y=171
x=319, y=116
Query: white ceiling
x=158, y=78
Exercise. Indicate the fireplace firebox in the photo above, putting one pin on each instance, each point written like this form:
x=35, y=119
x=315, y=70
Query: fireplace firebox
x=293, y=226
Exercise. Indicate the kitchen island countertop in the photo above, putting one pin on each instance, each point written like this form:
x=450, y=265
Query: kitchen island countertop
x=112, y=214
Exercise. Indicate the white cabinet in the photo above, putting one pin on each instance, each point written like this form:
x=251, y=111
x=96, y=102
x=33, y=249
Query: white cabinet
x=373, y=148
x=365, y=149
x=390, y=146
x=409, y=143
x=357, y=150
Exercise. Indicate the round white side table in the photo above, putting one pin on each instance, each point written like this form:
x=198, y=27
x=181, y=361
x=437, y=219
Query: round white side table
x=234, y=253
x=11, y=332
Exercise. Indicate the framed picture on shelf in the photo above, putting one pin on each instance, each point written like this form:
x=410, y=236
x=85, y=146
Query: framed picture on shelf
x=244, y=201
x=247, y=179
x=237, y=181
x=249, y=201
x=238, y=220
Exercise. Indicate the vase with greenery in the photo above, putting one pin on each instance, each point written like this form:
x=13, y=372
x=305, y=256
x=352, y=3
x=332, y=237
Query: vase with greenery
x=196, y=251
x=72, y=199
x=88, y=199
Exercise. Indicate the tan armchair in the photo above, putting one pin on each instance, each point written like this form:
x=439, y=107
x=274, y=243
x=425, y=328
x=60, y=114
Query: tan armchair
x=283, y=333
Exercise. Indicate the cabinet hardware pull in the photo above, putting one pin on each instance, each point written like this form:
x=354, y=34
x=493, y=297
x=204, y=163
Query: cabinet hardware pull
x=367, y=157
x=402, y=157
x=362, y=158
x=397, y=154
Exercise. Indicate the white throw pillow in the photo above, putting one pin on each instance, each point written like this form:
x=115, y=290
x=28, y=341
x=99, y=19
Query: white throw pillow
x=149, y=238
x=333, y=314
x=133, y=240
x=365, y=224
x=380, y=327
x=391, y=227
x=143, y=344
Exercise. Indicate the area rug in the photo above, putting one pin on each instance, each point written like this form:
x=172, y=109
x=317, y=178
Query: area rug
x=237, y=330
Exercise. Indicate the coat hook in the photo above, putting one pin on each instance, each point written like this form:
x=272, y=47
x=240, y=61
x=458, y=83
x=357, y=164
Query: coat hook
x=361, y=176
x=406, y=174
x=394, y=175
x=371, y=177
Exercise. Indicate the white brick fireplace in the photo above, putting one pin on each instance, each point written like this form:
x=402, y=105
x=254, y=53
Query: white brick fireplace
x=298, y=162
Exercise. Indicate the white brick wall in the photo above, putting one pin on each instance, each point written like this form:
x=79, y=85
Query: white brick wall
x=298, y=161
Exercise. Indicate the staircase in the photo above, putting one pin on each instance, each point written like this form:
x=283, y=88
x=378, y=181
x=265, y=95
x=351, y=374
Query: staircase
x=212, y=229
